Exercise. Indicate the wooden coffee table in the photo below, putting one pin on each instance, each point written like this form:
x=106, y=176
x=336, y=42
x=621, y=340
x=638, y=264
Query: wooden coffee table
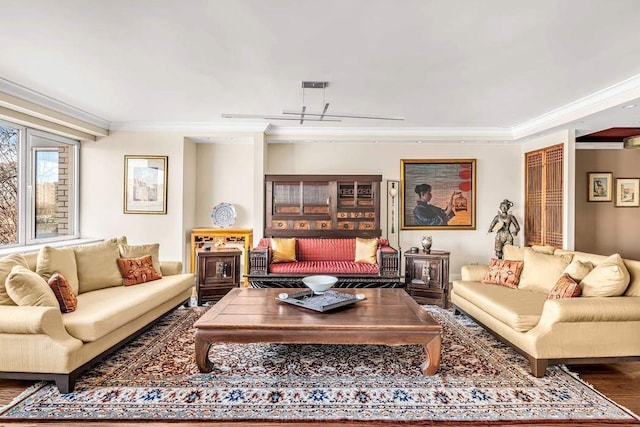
x=387, y=316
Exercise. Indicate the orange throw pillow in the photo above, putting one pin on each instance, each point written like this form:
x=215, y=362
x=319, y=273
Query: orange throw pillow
x=62, y=290
x=504, y=272
x=137, y=270
x=565, y=287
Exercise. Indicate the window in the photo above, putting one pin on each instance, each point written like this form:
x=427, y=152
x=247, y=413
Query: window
x=38, y=186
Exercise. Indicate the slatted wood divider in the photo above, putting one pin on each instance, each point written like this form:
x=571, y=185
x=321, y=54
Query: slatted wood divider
x=544, y=196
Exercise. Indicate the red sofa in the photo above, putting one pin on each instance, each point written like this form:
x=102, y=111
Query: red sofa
x=334, y=256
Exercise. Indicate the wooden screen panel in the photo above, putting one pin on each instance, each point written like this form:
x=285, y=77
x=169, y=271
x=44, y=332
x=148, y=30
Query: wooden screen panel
x=553, y=196
x=533, y=198
x=544, y=196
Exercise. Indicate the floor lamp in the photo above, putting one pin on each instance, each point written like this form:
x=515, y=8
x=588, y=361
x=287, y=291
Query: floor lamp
x=393, y=201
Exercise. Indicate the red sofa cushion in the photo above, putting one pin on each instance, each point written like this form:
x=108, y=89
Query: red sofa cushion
x=326, y=249
x=323, y=267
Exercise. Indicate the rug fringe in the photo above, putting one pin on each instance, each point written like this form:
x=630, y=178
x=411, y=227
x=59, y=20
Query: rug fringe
x=576, y=377
x=22, y=396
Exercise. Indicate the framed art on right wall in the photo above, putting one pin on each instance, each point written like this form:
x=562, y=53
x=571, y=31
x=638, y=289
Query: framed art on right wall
x=627, y=192
x=600, y=187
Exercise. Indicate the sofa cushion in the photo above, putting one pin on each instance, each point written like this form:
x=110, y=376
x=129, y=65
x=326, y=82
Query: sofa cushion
x=284, y=250
x=58, y=260
x=577, y=269
x=326, y=249
x=137, y=251
x=566, y=287
x=137, y=270
x=610, y=278
x=517, y=309
x=633, y=267
x=512, y=253
x=6, y=264
x=27, y=288
x=323, y=267
x=541, y=271
x=63, y=292
x=97, y=266
x=503, y=272
x=102, y=311
x=366, y=250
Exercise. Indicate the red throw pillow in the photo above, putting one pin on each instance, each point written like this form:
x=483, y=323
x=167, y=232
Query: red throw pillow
x=565, y=287
x=504, y=272
x=137, y=270
x=62, y=290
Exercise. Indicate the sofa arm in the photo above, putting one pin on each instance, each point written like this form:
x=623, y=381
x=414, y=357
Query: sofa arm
x=170, y=268
x=259, y=259
x=586, y=309
x=389, y=261
x=32, y=320
x=474, y=273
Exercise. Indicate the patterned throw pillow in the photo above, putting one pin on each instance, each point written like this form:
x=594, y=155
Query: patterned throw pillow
x=137, y=270
x=503, y=272
x=565, y=287
x=63, y=292
x=284, y=250
x=366, y=251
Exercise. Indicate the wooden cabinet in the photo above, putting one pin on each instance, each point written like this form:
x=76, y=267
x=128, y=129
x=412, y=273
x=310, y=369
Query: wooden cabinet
x=427, y=277
x=218, y=237
x=322, y=205
x=218, y=273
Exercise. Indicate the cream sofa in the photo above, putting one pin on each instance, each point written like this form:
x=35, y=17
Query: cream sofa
x=40, y=342
x=585, y=329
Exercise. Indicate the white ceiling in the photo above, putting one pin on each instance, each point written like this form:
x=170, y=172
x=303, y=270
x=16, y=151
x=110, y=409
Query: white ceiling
x=503, y=65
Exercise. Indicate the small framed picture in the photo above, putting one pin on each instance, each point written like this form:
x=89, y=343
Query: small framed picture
x=600, y=187
x=145, y=184
x=627, y=192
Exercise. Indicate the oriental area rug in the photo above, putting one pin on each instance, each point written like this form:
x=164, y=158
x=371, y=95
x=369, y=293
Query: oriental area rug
x=480, y=381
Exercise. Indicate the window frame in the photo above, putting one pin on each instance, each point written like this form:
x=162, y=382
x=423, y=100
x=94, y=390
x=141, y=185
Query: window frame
x=28, y=141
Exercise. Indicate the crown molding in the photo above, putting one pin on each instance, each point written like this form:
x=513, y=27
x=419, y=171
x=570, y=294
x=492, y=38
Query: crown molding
x=615, y=95
x=29, y=101
x=382, y=134
x=209, y=127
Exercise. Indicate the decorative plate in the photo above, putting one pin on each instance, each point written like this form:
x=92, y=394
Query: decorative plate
x=223, y=215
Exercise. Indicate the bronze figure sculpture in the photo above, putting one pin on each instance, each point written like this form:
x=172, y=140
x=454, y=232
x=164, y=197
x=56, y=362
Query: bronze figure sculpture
x=506, y=227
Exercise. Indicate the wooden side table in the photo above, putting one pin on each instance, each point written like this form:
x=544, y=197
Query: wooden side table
x=218, y=273
x=427, y=277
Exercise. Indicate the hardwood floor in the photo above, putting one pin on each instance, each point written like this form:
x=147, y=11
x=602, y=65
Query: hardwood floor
x=618, y=381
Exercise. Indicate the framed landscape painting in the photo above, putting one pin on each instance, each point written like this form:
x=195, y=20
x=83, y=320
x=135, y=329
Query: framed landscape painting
x=438, y=194
x=627, y=192
x=145, y=184
x=600, y=187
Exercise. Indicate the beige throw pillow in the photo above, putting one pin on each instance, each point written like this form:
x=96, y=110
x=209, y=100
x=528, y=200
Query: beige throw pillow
x=137, y=251
x=610, y=278
x=578, y=269
x=98, y=266
x=366, y=251
x=27, y=288
x=512, y=253
x=6, y=264
x=58, y=260
x=541, y=271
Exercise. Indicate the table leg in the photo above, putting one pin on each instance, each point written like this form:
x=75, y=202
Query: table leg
x=432, y=351
x=202, y=354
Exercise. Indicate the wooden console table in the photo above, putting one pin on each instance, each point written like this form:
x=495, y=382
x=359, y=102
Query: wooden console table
x=213, y=236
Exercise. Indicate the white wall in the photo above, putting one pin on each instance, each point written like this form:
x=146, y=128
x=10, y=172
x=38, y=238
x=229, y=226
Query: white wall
x=498, y=176
x=102, y=191
x=224, y=174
